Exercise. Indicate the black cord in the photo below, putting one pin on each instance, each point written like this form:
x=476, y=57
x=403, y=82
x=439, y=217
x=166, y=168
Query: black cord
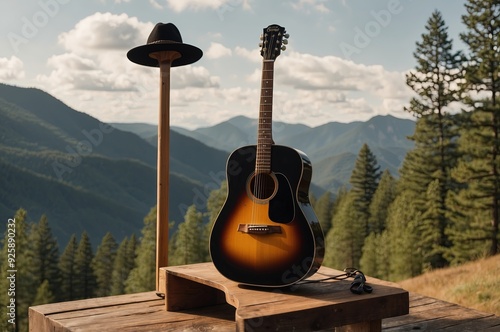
x=358, y=286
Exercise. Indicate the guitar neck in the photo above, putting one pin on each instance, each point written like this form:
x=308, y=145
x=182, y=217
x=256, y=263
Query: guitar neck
x=264, y=134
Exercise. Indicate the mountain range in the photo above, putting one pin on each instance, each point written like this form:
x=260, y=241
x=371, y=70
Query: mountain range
x=87, y=175
x=332, y=147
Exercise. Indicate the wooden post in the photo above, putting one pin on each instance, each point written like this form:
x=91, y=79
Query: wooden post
x=165, y=59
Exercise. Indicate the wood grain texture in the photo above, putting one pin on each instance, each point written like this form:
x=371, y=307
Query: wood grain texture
x=165, y=59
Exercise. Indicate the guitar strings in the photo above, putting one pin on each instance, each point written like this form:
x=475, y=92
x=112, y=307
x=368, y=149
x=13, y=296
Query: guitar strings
x=258, y=189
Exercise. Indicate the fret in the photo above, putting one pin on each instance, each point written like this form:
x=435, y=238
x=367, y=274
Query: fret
x=264, y=133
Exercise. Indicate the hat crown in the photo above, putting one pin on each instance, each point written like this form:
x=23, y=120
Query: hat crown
x=164, y=38
x=164, y=33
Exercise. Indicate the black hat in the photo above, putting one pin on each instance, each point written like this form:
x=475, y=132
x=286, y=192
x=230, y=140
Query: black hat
x=164, y=37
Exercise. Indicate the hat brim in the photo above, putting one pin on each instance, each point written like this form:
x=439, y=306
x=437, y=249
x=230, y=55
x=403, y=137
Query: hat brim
x=141, y=54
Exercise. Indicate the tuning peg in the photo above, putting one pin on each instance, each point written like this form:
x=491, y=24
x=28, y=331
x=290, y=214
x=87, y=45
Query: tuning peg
x=260, y=44
x=285, y=41
x=286, y=35
x=261, y=37
x=283, y=47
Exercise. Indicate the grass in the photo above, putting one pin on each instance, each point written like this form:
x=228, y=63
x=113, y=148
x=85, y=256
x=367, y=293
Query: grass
x=474, y=285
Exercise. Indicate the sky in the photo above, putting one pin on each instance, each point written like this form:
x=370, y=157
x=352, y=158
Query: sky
x=345, y=60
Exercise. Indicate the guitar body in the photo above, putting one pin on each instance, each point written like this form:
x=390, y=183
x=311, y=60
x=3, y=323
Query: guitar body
x=267, y=234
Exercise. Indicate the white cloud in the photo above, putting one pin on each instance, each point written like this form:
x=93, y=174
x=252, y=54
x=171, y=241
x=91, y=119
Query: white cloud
x=106, y=31
x=252, y=55
x=217, y=50
x=193, y=76
x=180, y=6
x=310, y=72
x=316, y=5
x=155, y=4
x=11, y=68
x=71, y=61
x=73, y=72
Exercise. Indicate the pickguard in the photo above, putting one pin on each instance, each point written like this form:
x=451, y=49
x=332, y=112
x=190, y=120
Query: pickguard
x=281, y=206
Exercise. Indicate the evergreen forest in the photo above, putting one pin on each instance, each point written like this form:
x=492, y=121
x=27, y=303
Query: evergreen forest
x=443, y=209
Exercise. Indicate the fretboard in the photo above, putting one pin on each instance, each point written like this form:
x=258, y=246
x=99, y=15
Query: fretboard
x=264, y=134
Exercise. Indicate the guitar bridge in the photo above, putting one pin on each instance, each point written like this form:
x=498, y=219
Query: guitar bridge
x=259, y=229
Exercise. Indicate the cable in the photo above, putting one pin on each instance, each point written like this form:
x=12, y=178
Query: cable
x=358, y=285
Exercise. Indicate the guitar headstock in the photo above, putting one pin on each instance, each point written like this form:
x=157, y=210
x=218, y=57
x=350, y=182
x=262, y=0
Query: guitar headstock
x=274, y=39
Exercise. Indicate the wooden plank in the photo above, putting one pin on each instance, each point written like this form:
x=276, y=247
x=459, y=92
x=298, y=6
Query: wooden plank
x=121, y=309
x=160, y=319
x=95, y=302
x=429, y=314
x=133, y=316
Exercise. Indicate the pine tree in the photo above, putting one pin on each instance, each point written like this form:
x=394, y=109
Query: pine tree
x=436, y=80
x=375, y=256
x=404, y=256
x=68, y=271
x=46, y=256
x=215, y=202
x=344, y=241
x=324, y=211
x=474, y=231
x=189, y=242
x=437, y=73
x=479, y=169
x=131, y=251
x=123, y=264
x=142, y=277
x=85, y=280
x=375, y=253
x=382, y=199
x=482, y=38
x=44, y=294
x=341, y=195
x=364, y=180
x=103, y=263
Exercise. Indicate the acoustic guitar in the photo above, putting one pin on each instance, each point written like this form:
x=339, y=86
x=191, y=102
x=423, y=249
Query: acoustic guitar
x=267, y=233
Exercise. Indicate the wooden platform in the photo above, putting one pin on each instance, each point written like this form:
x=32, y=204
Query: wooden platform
x=302, y=307
x=146, y=312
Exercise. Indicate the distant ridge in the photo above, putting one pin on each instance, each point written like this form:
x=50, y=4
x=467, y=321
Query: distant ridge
x=332, y=147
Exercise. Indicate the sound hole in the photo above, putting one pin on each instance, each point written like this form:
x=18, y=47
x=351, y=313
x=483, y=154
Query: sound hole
x=263, y=185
